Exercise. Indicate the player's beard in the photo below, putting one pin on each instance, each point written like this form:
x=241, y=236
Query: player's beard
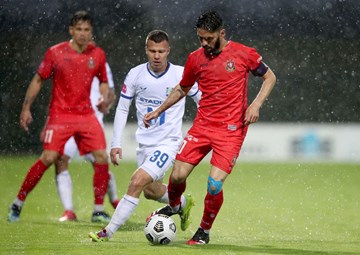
x=213, y=51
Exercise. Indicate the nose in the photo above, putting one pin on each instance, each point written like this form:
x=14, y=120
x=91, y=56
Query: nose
x=203, y=42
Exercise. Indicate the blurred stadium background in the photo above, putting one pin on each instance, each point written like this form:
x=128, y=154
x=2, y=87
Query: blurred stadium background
x=312, y=46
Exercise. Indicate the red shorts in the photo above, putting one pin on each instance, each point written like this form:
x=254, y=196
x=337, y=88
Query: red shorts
x=86, y=130
x=200, y=140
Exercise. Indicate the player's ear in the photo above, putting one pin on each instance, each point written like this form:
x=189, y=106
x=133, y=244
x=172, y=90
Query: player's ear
x=222, y=32
x=71, y=30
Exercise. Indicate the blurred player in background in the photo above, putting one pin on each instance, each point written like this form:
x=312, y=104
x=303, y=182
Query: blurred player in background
x=63, y=178
x=221, y=68
x=72, y=65
x=149, y=84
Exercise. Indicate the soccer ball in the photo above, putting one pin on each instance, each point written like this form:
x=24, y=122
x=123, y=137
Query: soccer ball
x=160, y=229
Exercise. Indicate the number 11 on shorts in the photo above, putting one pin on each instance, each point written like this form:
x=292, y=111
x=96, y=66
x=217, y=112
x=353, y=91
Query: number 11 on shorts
x=48, y=135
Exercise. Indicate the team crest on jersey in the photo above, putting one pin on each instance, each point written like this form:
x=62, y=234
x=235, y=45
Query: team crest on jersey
x=168, y=91
x=230, y=65
x=91, y=63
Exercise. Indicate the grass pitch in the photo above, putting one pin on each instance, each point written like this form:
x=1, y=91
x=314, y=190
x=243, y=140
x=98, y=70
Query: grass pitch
x=268, y=209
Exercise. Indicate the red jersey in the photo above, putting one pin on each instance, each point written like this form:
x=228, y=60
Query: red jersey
x=223, y=81
x=72, y=74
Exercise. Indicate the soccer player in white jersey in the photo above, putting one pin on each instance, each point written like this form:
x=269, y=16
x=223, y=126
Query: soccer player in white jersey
x=63, y=179
x=149, y=84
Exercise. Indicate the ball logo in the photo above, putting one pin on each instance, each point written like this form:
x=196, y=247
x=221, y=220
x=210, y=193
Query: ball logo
x=230, y=65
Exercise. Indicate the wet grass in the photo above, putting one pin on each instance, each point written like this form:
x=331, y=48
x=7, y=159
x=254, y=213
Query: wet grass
x=268, y=209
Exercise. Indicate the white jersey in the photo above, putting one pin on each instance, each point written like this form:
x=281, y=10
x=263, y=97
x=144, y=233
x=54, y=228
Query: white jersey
x=71, y=148
x=95, y=92
x=149, y=92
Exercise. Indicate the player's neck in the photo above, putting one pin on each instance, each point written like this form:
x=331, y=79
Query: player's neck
x=158, y=72
x=77, y=47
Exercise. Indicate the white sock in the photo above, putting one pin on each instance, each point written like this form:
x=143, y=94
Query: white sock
x=165, y=198
x=183, y=201
x=112, y=190
x=99, y=208
x=123, y=211
x=18, y=202
x=64, y=188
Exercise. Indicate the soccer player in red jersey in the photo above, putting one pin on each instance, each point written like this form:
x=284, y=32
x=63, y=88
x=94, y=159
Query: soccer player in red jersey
x=72, y=65
x=221, y=68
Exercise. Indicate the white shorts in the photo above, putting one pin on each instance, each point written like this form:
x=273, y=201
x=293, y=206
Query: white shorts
x=156, y=160
x=71, y=150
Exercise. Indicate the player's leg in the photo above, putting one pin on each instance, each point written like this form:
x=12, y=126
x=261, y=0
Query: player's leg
x=212, y=204
x=63, y=180
x=112, y=189
x=226, y=147
x=100, y=183
x=126, y=206
x=158, y=191
x=32, y=178
x=90, y=138
x=149, y=171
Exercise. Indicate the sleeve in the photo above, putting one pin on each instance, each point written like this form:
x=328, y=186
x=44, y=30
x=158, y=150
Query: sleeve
x=122, y=110
x=109, y=76
x=45, y=69
x=254, y=59
x=189, y=77
x=102, y=68
x=195, y=93
x=121, y=115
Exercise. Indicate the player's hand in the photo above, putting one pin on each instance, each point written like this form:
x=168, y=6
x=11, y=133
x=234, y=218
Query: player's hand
x=113, y=153
x=252, y=114
x=102, y=106
x=25, y=119
x=150, y=116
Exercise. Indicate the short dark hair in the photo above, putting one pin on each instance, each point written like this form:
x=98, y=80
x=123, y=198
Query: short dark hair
x=210, y=21
x=81, y=16
x=157, y=36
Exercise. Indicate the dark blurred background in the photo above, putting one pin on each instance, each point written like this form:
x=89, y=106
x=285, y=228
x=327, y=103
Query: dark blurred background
x=311, y=45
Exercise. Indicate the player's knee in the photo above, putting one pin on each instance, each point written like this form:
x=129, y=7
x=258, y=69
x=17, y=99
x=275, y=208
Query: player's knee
x=49, y=157
x=100, y=157
x=214, y=187
x=149, y=194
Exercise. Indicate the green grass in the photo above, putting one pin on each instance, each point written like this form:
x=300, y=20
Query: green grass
x=268, y=209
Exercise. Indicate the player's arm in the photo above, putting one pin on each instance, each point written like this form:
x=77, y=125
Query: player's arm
x=111, y=95
x=103, y=103
x=30, y=96
x=175, y=96
x=111, y=98
x=121, y=116
x=252, y=112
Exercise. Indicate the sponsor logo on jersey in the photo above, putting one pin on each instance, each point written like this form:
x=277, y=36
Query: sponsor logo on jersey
x=91, y=63
x=150, y=101
x=230, y=65
x=204, y=65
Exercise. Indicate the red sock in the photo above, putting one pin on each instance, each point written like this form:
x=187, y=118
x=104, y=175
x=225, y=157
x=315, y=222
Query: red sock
x=100, y=182
x=175, y=191
x=33, y=176
x=212, y=207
